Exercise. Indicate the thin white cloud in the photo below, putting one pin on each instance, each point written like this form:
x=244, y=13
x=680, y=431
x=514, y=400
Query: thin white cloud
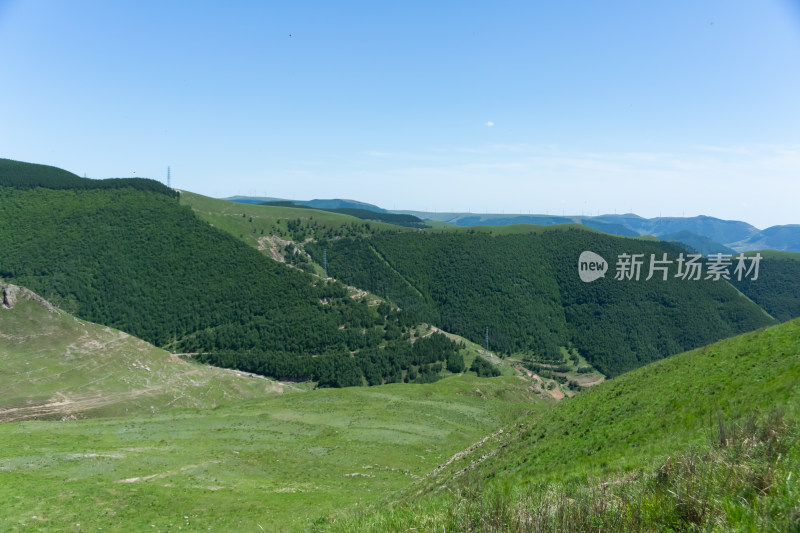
x=407, y=156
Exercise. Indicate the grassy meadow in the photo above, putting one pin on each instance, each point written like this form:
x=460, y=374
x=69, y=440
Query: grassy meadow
x=704, y=440
x=280, y=462
x=130, y=437
x=251, y=223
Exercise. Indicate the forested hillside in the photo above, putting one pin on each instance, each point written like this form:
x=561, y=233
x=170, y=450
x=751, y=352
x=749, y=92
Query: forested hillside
x=777, y=288
x=521, y=282
x=133, y=258
x=140, y=262
x=28, y=176
x=525, y=289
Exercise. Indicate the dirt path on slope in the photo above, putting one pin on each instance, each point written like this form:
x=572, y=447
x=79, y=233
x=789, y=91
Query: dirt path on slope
x=67, y=406
x=540, y=383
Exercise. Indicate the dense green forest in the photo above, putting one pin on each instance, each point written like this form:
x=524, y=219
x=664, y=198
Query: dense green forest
x=28, y=176
x=397, y=361
x=777, y=288
x=484, y=368
x=525, y=289
x=140, y=262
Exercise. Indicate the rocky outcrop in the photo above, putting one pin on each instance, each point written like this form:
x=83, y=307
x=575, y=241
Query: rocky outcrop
x=10, y=294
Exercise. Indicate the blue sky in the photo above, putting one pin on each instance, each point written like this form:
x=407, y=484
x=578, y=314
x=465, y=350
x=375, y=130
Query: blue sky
x=660, y=108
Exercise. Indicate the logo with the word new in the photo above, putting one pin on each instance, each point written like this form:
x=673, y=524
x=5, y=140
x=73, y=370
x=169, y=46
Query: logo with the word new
x=591, y=266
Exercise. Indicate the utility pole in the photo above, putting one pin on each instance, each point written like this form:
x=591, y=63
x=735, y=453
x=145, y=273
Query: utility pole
x=325, y=261
x=486, y=339
x=168, y=178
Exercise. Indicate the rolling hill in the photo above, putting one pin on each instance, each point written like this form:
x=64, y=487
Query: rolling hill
x=365, y=268
x=523, y=285
x=777, y=288
x=696, y=243
x=518, y=280
x=782, y=238
x=136, y=260
x=701, y=440
x=271, y=228
x=525, y=291
x=365, y=214
x=53, y=365
x=718, y=230
x=330, y=204
x=610, y=342
x=703, y=233
x=20, y=175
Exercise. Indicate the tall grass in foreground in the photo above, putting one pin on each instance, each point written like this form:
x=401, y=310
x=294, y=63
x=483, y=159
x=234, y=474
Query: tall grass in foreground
x=743, y=479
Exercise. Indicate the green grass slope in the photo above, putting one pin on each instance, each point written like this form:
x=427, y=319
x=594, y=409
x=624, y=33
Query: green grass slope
x=278, y=463
x=676, y=445
x=661, y=406
x=364, y=214
x=265, y=226
x=53, y=365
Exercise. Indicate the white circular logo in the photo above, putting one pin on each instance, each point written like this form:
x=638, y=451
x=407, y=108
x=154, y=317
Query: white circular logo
x=591, y=266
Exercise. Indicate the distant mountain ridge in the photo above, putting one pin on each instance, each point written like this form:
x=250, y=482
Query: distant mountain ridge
x=364, y=214
x=702, y=233
x=697, y=243
x=785, y=238
x=334, y=203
